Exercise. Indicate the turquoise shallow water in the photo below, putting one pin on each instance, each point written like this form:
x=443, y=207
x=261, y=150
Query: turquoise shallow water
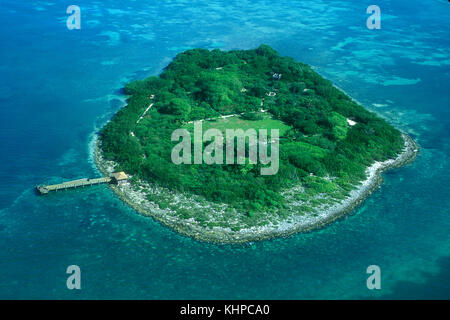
x=58, y=87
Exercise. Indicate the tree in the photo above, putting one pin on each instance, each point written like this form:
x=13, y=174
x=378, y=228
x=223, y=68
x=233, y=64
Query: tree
x=177, y=106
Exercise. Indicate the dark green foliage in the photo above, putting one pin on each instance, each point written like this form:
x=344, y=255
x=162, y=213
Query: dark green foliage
x=201, y=84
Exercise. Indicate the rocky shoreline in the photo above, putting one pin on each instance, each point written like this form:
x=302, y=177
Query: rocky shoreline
x=282, y=229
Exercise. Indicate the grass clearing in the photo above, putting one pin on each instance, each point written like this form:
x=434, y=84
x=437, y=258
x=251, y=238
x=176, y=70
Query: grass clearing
x=237, y=122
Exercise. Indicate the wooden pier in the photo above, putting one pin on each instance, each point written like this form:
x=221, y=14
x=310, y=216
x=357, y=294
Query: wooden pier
x=116, y=178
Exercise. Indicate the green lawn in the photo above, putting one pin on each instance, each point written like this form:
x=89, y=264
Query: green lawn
x=236, y=122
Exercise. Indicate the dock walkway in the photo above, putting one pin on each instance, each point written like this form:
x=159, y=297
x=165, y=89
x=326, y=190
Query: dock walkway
x=117, y=177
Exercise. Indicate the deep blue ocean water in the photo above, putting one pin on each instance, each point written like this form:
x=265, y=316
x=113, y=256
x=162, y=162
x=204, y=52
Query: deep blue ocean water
x=59, y=86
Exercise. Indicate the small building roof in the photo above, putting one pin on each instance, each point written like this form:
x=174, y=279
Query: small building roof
x=120, y=175
x=277, y=76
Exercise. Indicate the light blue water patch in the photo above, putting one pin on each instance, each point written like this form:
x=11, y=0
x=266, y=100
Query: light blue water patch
x=342, y=44
x=114, y=37
x=399, y=81
x=180, y=49
x=434, y=63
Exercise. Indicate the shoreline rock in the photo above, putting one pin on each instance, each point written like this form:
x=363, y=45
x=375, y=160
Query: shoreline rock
x=284, y=228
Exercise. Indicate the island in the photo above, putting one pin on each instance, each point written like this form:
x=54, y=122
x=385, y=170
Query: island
x=331, y=151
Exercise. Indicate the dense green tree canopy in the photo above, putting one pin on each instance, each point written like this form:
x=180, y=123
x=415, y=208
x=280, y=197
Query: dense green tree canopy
x=319, y=148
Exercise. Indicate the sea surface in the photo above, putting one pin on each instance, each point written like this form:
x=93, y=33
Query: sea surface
x=58, y=87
